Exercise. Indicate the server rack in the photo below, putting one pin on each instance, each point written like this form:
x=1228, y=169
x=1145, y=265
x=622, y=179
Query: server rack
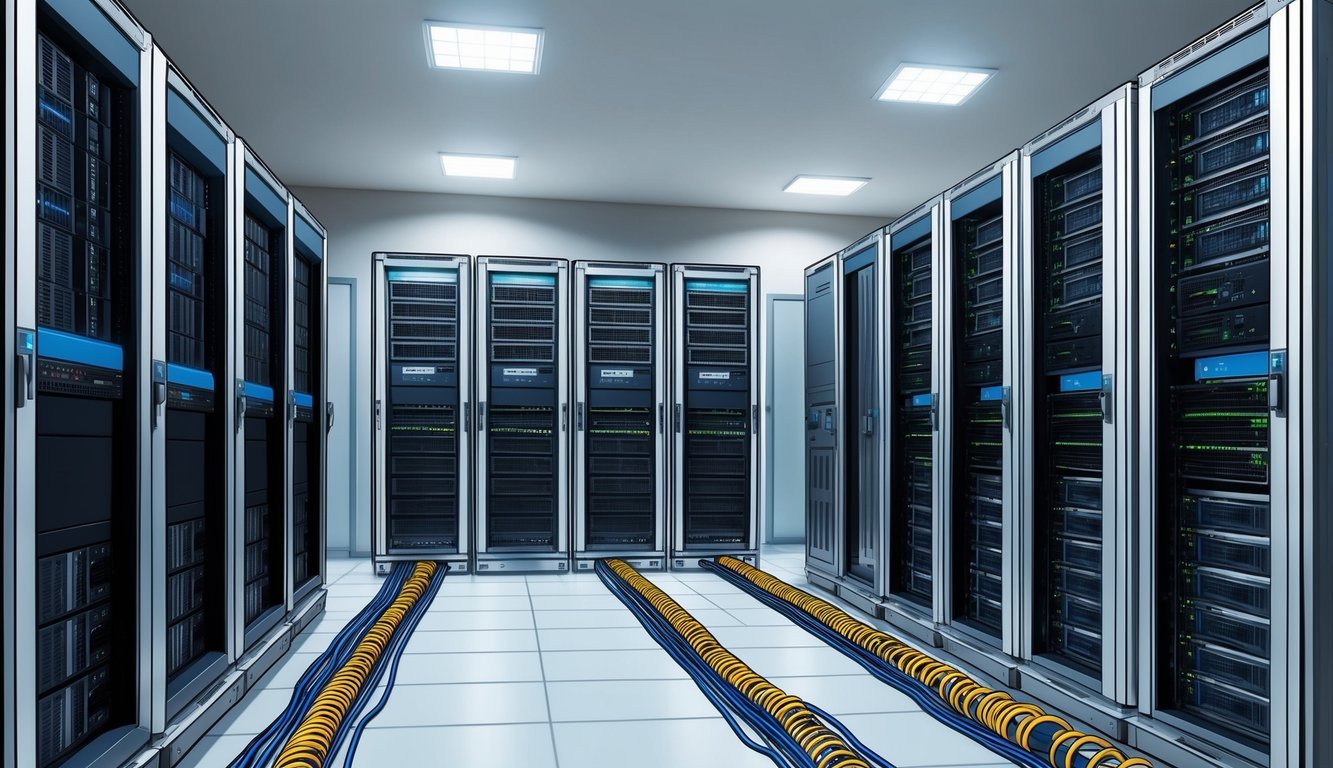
x=913, y=318
x=1077, y=255
x=83, y=112
x=523, y=415
x=861, y=383
x=1233, y=207
x=980, y=548
x=715, y=417
x=422, y=466
x=309, y=414
x=192, y=424
x=620, y=380
x=823, y=553
x=262, y=240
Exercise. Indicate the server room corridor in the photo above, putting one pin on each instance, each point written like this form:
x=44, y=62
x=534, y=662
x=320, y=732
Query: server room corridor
x=551, y=670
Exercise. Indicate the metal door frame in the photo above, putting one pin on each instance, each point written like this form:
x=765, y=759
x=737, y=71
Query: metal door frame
x=654, y=558
x=319, y=420
x=1111, y=117
x=901, y=612
x=118, y=743
x=766, y=528
x=1160, y=730
x=996, y=659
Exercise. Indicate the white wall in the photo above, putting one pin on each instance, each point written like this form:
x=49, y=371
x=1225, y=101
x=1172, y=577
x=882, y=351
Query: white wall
x=361, y=222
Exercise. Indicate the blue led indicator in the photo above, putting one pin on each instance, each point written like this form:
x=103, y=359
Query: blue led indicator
x=921, y=401
x=424, y=275
x=507, y=278
x=991, y=394
x=716, y=286
x=618, y=282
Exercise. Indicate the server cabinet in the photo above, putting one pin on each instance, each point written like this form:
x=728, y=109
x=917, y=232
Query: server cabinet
x=913, y=316
x=823, y=553
x=1232, y=145
x=715, y=417
x=262, y=234
x=422, y=352
x=1078, y=266
x=860, y=437
x=308, y=410
x=83, y=114
x=523, y=416
x=620, y=381
x=191, y=424
x=980, y=548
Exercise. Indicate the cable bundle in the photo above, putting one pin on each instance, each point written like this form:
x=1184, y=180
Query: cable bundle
x=339, y=683
x=795, y=733
x=1017, y=731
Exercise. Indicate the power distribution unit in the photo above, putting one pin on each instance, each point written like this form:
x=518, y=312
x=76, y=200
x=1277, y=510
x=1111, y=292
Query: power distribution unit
x=620, y=380
x=263, y=239
x=81, y=288
x=523, y=415
x=981, y=228
x=860, y=375
x=192, y=435
x=715, y=416
x=1078, y=222
x=822, y=520
x=308, y=414
x=912, y=411
x=423, y=399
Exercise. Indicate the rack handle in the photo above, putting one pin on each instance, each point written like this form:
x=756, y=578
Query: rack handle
x=328, y=417
x=1277, y=383
x=1107, y=398
x=25, y=372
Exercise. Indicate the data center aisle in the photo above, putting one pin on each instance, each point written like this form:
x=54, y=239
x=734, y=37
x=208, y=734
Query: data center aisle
x=551, y=670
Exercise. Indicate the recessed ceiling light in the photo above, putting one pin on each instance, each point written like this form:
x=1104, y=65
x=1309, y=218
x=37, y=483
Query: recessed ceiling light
x=825, y=185
x=493, y=49
x=478, y=166
x=929, y=84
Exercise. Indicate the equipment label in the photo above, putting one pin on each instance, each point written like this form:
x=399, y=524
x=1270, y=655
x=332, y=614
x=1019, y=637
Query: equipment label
x=617, y=373
x=419, y=371
x=520, y=371
x=715, y=375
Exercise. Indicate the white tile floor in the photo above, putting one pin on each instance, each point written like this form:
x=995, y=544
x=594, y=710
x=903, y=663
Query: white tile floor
x=548, y=670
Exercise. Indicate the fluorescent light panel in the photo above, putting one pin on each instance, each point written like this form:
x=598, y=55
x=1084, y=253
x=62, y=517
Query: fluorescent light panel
x=492, y=49
x=840, y=186
x=479, y=166
x=930, y=84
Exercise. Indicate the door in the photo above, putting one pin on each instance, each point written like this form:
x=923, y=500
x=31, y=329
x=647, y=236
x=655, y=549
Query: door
x=342, y=489
x=786, y=461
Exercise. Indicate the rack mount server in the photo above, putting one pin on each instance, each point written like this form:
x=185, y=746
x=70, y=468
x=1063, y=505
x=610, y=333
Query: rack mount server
x=620, y=378
x=823, y=554
x=715, y=417
x=523, y=415
x=423, y=460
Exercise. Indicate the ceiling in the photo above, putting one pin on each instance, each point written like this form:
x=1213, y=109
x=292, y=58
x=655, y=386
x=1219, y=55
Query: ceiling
x=715, y=103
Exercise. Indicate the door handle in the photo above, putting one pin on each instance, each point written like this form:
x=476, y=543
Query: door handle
x=868, y=426
x=467, y=418
x=934, y=412
x=661, y=418
x=379, y=410
x=578, y=423
x=564, y=417
x=1106, y=397
x=241, y=404
x=1006, y=408
x=25, y=373
x=159, y=390
x=754, y=419
x=677, y=419
x=481, y=416
x=328, y=417
x=1277, y=383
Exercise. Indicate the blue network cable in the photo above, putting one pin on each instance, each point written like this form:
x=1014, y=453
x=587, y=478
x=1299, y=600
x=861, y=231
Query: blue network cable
x=395, y=654
x=781, y=747
x=265, y=745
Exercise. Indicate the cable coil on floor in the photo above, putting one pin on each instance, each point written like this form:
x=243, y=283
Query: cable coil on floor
x=1025, y=725
x=310, y=744
x=801, y=725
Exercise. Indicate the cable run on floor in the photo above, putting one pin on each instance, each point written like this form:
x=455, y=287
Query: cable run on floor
x=794, y=734
x=338, y=685
x=1015, y=730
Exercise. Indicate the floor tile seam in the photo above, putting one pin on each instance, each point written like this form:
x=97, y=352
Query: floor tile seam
x=546, y=689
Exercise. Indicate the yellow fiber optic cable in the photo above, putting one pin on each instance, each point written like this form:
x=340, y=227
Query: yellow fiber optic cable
x=309, y=745
x=823, y=746
x=1013, y=720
